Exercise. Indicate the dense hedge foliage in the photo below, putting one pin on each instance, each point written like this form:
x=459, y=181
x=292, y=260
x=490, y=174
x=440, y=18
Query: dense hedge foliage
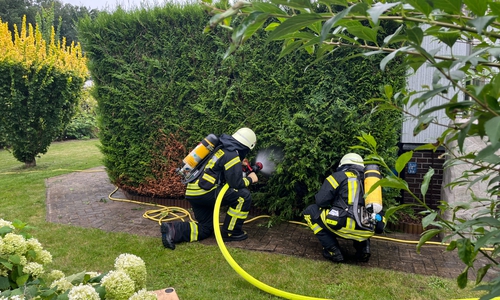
x=156, y=74
x=40, y=85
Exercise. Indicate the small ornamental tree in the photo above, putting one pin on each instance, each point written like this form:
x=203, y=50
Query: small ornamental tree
x=40, y=85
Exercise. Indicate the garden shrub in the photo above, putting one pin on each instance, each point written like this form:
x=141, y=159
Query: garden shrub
x=40, y=84
x=23, y=273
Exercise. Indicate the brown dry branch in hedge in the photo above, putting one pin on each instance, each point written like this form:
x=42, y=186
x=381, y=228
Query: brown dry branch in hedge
x=167, y=156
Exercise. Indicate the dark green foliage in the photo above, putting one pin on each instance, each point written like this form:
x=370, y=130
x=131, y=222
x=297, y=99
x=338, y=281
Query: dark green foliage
x=65, y=15
x=35, y=104
x=12, y=12
x=155, y=69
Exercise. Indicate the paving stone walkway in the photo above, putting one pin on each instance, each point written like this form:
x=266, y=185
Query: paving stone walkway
x=82, y=199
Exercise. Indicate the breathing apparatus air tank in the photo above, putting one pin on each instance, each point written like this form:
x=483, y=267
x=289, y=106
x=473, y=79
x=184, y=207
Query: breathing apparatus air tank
x=373, y=202
x=207, y=145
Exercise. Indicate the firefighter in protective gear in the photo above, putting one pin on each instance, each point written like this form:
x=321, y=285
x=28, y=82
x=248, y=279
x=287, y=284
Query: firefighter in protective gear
x=333, y=215
x=225, y=166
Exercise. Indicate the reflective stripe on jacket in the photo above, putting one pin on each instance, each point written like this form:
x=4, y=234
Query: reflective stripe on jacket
x=224, y=166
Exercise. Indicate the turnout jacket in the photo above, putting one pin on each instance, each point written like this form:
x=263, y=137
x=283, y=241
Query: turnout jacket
x=336, y=199
x=223, y=167
x=337, y=190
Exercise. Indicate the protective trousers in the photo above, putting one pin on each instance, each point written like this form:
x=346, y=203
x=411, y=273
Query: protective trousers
x=238, y=202
x=328, y=239
x=312, y=215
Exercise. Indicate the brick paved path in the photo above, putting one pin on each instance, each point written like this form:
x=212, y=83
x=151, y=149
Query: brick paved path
x=82, y=199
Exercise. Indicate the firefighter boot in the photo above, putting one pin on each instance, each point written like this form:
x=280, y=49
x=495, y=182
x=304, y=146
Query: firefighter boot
x=362, y=250
x=167, y=235
x=230, y=237
x=333, y=253
x=235, y=233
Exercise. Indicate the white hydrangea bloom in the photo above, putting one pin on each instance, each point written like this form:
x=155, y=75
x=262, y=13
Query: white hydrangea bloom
x=143, y=295
x=6, y=223
x=119, y=286
x=33, y=244
x=62, y=285
x=14, y=244
x=55, y=275
x=4, y=271
x=83, y=292
x=33, y=268
x=44, y=257
x=1, y=246
x=23, y=260
x=93, y=274
x=134, y=266
x=17, y=297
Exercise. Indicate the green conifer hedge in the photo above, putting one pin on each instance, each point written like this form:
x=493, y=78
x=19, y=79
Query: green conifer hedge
x=158, y=77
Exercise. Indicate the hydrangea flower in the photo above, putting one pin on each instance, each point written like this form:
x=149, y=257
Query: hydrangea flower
x=62, y=285
x=55, y=275
x=135, y=268
x=41, y=256
x=14, y=244
x=33, y=268
x=143, y=295
x=93, y=274
x=44, y=257
x=83, y=292
x=6, y=223
x=119, y=286
x=33, y=244
x=23, y=261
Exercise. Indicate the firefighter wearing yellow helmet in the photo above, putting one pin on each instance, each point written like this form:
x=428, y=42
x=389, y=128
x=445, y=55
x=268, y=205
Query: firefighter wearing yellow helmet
x=224, y=166
x=339, y=211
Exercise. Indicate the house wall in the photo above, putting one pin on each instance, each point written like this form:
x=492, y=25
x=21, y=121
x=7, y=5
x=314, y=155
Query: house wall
x=423, y=160
x=418, y=81
x=415, y=171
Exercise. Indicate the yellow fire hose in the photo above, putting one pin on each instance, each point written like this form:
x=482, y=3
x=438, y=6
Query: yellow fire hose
x=160, y=215
x=172, y=213
x=237, y=268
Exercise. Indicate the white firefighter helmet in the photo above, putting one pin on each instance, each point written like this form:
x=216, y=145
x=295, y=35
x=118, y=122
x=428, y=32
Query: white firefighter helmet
x=245, y=136
x=352, y=159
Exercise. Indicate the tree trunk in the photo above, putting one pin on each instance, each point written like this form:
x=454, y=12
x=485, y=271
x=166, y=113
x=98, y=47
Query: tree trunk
x=30, y=164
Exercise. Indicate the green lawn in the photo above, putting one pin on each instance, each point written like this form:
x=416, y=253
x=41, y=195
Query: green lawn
x=195, y=270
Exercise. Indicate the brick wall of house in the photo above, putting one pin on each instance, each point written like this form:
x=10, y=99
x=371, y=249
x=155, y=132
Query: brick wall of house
x=414, y=174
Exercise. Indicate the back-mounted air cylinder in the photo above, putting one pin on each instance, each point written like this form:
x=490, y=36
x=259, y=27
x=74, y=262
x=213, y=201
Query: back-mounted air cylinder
x=374, y=199
x=194, y=157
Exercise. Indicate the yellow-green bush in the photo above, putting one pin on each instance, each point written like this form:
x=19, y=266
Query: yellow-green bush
x=40, y=85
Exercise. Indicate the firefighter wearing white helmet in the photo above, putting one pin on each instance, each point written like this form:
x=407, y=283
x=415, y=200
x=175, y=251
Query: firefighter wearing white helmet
x=245, y=136
x=351, y=159
x=337, y=210
x=225, y=166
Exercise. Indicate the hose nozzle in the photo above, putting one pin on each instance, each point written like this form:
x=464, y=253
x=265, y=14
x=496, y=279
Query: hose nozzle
x=248, y=168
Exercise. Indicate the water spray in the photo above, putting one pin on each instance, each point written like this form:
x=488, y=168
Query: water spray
x=269, y=157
